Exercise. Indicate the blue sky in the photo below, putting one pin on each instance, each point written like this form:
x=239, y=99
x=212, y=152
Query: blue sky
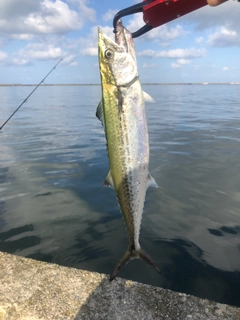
x=203, y=46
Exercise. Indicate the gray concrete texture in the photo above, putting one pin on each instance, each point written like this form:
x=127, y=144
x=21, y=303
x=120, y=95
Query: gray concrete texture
x=32, y=290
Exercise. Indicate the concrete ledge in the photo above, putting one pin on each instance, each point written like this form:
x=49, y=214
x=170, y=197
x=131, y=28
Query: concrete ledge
x=33, y=290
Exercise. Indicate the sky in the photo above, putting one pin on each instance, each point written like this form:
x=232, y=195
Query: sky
x=203, y=46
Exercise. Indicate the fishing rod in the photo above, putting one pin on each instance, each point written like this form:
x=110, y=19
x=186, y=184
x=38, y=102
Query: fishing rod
x=30, y=94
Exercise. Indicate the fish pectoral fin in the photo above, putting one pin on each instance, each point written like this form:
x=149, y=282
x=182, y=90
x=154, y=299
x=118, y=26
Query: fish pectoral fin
x=109, y=181
x=147, y=97
x=100, y=113
x=130, y=254
x=151, y=182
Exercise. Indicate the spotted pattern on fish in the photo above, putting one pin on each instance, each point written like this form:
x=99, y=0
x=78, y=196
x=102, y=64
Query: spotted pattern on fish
x=122, y=113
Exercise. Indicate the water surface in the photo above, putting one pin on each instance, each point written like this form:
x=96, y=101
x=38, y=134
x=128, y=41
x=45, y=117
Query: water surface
x=53, y=207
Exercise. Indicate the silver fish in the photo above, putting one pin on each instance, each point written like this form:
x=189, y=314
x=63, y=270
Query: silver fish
x=122, y=113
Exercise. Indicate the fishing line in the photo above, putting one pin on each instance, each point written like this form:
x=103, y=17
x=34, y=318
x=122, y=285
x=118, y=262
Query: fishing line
x=30, y=94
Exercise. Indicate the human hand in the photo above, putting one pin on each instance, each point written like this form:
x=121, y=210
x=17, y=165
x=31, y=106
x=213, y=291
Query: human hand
x=214, y=3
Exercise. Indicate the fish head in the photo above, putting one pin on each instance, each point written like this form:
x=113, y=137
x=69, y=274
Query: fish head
x=117, y=66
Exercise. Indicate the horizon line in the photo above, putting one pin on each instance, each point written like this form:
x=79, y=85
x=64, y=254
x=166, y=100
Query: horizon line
x=98, y=84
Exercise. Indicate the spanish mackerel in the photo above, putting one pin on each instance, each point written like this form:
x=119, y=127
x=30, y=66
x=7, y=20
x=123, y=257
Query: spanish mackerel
x=122, y=113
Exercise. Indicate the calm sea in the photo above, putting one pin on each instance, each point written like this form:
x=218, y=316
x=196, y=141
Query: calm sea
x=53, y=207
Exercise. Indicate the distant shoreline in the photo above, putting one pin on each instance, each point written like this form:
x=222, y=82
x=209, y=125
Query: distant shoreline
x=98, y=84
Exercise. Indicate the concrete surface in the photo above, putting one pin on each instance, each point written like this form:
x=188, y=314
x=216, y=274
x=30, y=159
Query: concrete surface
x=31, y=290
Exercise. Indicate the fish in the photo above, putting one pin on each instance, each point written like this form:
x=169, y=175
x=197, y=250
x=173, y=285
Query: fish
x=122, y=114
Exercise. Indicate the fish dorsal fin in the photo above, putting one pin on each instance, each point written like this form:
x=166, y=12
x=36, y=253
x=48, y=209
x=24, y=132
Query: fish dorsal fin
x=109, y=181
x=100, y=114
x=151, y=182
x=147, y=97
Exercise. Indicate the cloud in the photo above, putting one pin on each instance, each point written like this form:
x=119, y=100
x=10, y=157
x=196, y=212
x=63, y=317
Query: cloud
x=175, y=65
x=86, y=12
x=23, y=36
x=12, y=9
x=161, y=34
x=210, y=17
x=74, y=64
x=89, y=43
x=174, y=53
x=182, y=56
x=27, y=18
x=109, y=15
x=166, y=33
x=224, y=37
x=3, y=56
x=180, y=63
x=3, y=42
x=183, y=61
x=199, y=40
x=41, y=51
x=69, y=59
x=20, y=62
x=149, y=65
x=90, y=51
x=148, y=53
x=225, y=68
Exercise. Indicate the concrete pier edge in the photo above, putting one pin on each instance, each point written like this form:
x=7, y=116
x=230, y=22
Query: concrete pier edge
x=32, y=290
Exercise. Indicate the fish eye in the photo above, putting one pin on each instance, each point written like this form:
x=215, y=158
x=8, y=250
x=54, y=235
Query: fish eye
x=109, y=54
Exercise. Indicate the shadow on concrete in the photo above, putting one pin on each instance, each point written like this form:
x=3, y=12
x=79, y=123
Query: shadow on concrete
x=191, y=274
x=123, y=299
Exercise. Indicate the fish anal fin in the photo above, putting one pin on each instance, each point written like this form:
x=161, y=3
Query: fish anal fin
x=151, y=182
x=108, y=182
x=147, y=97
x=130, y=254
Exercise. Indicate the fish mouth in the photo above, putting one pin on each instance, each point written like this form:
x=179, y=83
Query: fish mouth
x=103, y=39
x=121, y=35
x=124, y=39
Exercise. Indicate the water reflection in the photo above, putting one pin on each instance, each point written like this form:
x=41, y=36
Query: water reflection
x=16, y=239
x=53, y=207
x=189, y=270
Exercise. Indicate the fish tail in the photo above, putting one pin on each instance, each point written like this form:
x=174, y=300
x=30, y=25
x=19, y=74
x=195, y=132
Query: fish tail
x=131, y=254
